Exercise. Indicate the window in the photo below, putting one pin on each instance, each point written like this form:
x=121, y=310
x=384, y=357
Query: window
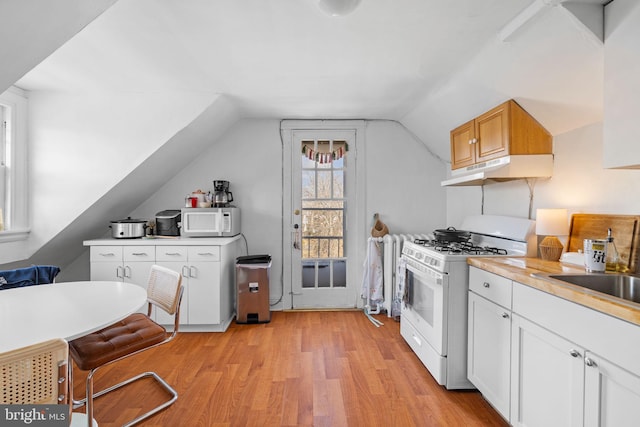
x=13, y=165
x=323, y=212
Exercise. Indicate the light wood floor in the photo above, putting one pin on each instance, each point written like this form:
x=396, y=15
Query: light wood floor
x=301, y=369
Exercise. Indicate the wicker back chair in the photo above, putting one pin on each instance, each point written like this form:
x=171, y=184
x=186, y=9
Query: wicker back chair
x=37, y=374
x=130, y=336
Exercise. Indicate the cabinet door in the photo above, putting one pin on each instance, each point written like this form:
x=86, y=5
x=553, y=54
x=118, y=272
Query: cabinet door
x=106, y=263
x=547, y=378
x=175, y=258
x=138, y=274
x=204, y=285
x=204, y=293
x=137, y=265
x=489, y=351
x=462, y=146
x=163, y=317
x=492, y=134
x=612, y=394
x=110, y=271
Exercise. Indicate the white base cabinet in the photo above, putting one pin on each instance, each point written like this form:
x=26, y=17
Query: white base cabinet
x=579, y=365
x=569, y=365
x=489, y=337
x=207, y=267
x=547, y=377
x=612, y=394
x=129, y=264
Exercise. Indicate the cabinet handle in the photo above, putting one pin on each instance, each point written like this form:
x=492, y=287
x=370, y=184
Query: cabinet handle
x=139, y=254
x=193, y=272
x=574, y=353
x=475, y=140
x=127, y=271
x=590, y=362
x=185, y=271
x=109, y=254
x=205, y=253
x=470, y=141
x=172, y=253
x=120, y=272
x=505, y=315
x=486, y=284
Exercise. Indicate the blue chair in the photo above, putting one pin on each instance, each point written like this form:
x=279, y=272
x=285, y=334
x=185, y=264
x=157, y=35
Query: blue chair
x=28, y=276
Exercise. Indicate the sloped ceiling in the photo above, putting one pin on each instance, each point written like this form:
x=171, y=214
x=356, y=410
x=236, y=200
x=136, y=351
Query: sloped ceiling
x=282, y=58
x=31, y=30
x=429, y=64
x=390, y=60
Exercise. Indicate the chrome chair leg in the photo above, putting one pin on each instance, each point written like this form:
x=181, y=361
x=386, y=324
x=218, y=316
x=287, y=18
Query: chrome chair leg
x=91, y=396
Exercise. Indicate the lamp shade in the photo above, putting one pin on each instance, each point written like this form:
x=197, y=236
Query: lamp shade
x=552, y=222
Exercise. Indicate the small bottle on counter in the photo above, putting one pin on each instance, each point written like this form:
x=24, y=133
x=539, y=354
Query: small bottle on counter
x=611, y=260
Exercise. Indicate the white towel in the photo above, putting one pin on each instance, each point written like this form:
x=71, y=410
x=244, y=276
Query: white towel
x=372, y=283
x=400, y=279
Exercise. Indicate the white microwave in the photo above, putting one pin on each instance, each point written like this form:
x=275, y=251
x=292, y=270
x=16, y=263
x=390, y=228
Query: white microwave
x=210, y=222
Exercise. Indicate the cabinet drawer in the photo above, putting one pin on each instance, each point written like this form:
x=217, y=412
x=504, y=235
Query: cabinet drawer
x=139, y=253
x=171, y=253
x=491, y=286
x=204, y=253
x=106, y=253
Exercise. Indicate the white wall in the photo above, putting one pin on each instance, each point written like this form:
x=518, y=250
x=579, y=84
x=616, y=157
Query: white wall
x=82, y=145
x=403, y=180
x=402, y=184
x=579, y=184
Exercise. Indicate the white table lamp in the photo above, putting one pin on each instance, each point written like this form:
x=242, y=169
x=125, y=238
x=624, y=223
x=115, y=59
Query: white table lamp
x=551, y=223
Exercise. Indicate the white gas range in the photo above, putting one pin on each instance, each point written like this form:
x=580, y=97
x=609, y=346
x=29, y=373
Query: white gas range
x=434, y=309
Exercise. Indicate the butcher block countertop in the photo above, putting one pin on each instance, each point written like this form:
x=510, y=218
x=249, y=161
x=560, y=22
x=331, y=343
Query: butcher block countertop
x=522, y=269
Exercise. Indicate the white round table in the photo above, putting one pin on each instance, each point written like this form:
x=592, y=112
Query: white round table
x=68, y=310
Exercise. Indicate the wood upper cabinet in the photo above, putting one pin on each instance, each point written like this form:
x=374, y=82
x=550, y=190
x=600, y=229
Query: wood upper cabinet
x=504, y=130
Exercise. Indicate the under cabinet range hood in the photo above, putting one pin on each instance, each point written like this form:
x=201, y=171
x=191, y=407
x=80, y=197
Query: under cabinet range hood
x=503, y=169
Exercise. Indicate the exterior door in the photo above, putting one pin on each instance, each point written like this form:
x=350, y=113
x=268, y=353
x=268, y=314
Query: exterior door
x=320, y=219
x=320, y=213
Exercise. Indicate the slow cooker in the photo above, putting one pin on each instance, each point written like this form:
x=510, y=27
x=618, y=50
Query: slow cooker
x=128, y=228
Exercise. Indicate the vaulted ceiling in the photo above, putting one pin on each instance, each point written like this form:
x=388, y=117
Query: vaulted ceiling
x=283, y=58
x=429, y=64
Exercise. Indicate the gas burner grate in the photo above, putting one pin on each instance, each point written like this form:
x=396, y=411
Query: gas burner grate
x=460, y=248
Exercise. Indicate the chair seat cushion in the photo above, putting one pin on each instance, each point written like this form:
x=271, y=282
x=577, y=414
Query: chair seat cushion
x=124, y=337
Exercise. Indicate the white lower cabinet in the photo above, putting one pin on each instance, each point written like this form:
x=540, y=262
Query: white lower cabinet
x=571, y=365
x=489, y=351
x=547, y=377
x=612, y=394
x=489, y=338
x=557, y=363
x=204, y=293
x=129, y=264
x=174, y=258
x=208, y=276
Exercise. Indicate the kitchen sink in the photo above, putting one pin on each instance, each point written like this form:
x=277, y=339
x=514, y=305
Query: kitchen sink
x=618, y=285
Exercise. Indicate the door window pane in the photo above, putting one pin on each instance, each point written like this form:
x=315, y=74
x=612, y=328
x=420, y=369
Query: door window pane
x=323, y=213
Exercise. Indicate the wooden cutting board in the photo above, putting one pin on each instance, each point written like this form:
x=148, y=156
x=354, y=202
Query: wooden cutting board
x=625, y=230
